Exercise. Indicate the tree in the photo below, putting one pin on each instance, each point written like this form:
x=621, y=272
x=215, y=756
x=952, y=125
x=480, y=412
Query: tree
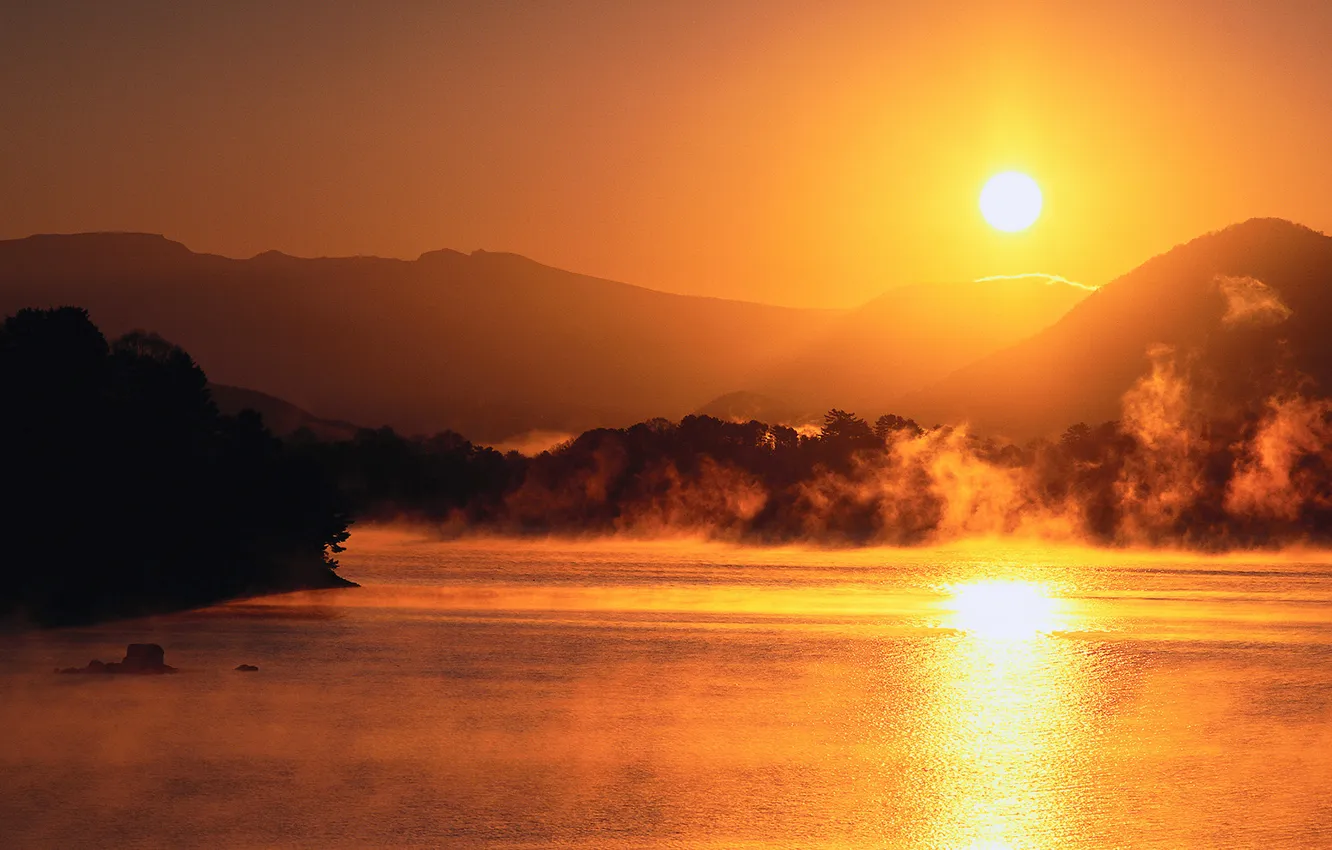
x=842, y=427
x=126, y=492
x=891, y=426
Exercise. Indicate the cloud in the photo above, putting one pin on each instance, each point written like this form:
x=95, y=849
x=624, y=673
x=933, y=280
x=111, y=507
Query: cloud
x=1050, y=279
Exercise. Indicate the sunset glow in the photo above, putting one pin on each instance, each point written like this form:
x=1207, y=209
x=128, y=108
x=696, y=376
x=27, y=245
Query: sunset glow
x=601, y=425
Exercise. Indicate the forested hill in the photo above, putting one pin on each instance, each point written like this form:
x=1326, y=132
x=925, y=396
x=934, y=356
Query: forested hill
x=1257, y=477
x=125, y=492
x=1235, y=304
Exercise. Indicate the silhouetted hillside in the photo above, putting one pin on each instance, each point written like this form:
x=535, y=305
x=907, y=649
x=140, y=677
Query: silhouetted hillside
x=125, y=492
x=1210, y=300
x=489, y=344
x=281, y=417
x=912, y=336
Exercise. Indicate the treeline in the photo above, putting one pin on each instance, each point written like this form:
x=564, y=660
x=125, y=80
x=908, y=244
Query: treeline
x=749, y=481
x=1195, y=482
x=126, y=492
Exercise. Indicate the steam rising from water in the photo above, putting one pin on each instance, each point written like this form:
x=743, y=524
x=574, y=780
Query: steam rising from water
x=1182, y=467
x=534, y=442
x=1250, y=301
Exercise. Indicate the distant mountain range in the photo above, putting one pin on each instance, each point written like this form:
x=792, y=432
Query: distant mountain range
x=495, y=345
x=488, y=344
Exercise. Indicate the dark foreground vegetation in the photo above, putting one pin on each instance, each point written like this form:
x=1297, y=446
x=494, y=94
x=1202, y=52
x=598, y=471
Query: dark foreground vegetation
x=126, y=492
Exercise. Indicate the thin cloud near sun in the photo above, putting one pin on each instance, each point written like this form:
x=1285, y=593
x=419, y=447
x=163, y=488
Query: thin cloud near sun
x=1048, y=278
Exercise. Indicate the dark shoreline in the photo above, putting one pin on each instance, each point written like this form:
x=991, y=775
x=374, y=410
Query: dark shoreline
x=122, y=610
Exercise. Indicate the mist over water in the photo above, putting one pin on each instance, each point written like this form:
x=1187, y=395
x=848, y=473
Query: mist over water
x=636, y=694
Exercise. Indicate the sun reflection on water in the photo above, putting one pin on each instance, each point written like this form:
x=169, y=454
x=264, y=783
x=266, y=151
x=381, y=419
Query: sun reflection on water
x=1006, y=700
x=1004, y=610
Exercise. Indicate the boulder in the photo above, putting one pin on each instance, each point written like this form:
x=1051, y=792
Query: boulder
x=144, y=658
x=247, y=668
x=139, y=658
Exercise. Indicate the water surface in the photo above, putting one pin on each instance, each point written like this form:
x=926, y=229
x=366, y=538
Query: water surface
x=674, y=695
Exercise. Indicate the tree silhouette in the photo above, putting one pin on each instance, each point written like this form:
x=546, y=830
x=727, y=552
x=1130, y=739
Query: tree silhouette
x=848, y=484
x=846, y=428
x=890, y=426
x=126, y=491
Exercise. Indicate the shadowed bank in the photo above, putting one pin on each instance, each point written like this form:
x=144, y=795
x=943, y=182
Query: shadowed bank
x=126, y=492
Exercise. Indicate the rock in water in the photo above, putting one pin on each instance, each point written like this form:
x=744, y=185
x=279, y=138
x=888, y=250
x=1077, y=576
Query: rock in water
x=144, y=656
x=139, y=658
x=247, y=668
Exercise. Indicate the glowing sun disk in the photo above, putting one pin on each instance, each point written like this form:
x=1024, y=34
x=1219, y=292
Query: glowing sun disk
x=1011, y=201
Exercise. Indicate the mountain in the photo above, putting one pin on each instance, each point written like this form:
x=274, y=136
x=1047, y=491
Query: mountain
x=280, y=417
x=912, y=336
x=1237, y=306
x=488, y=344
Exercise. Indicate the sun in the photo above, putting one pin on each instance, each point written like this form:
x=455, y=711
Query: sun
x=1011, y=201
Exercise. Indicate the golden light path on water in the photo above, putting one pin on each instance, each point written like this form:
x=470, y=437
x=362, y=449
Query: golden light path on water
x=1003, y=694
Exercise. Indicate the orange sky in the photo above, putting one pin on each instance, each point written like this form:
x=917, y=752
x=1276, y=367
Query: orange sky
x=796, y=153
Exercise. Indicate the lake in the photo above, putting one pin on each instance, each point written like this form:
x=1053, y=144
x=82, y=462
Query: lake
x=988, y=696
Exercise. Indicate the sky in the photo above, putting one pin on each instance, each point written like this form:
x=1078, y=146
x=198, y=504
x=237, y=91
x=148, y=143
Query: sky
x=810, y=154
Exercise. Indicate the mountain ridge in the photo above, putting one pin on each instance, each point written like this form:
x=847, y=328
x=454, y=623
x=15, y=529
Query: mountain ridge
x=100, y=238
x=1079, y=368
x=493, y=344
x=489, y=344
x=911, y=336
